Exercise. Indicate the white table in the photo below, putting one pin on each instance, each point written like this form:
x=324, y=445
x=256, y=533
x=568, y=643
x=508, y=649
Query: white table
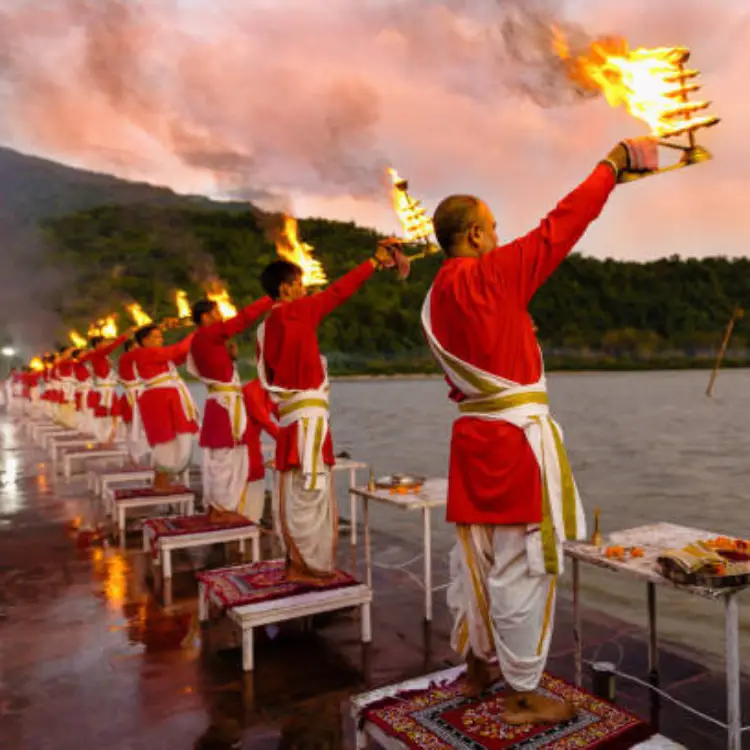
x=165, y=545
x=251, y=616
x=434, y=494
x=342, y=464
x=58, y=446
x=654, y=539
x=368, y=731
x=184, y=500
x=117, y=455
x=47, y=437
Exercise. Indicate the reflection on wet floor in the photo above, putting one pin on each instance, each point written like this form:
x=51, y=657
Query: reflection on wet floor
x=91, y=657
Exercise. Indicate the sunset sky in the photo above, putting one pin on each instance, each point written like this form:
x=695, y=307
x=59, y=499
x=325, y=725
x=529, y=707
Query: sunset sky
x=302, y=104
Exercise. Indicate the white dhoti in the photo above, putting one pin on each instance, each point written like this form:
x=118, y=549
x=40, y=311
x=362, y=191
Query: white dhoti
x=253, y=500
x=173, y=457
x=308, y=521
x=499, y=608
x=225, y=477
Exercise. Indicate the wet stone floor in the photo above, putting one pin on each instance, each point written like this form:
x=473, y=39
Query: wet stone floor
x=91, y=658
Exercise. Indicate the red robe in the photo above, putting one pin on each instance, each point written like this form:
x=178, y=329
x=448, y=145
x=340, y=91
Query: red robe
x=479, y=314
x=65, y=370
x=260, y=410
x=292, y=357
x=101, y=367
x=127, y=376
x=161, y=409
x=212, y=361
x=82, y=375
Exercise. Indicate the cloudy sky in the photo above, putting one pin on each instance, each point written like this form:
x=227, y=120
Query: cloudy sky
x=303, y=103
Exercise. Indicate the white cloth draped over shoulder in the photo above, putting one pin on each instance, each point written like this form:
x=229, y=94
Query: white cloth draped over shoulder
x=227, y=395
x=310, y=410
x=489, y=396
x=172, y=379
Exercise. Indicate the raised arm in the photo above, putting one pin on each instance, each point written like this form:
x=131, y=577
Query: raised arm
x=243, y=320
x=317, y=306
x=526, y=263
x=105, y=351
x=161, y=355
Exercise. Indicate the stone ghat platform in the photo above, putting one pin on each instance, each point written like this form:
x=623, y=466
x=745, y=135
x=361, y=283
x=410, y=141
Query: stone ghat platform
x=91, y=658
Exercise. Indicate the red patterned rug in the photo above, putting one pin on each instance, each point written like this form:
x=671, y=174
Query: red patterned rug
x=156, y=528
x=442, y=717
x=150, y=492
x=261, y=582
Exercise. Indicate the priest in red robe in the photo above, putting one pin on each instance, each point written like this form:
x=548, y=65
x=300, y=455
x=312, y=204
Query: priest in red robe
x=127, y=408
x=169, y=414
x=225, y=467
x=511, y=492
x=103, y=394
x=295, y=375
x=261, y=417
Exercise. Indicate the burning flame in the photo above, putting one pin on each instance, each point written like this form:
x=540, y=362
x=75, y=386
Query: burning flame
x=36, y=364
x=76, y=339
x=108, y=327
x=415, y=222
x=140, y=318
x=183, y=305
x=290, y=248
x=220, y=296
x=651, y=84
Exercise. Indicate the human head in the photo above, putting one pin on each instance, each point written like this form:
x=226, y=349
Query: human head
x=75, y=354
x=96, y=341
x=465, y=226
x=149, y=336
x=206, y=312
x=283, y=280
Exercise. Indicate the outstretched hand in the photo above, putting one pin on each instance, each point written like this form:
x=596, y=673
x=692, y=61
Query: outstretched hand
x=389, y=254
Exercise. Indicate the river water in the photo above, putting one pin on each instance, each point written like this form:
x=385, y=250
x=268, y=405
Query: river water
x=645, y=447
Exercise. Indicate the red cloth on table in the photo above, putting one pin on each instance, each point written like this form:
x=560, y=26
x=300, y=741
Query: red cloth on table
x=211, y=359
x=292, y=357
x=161, y=409
x=479, y=314
x=260, y=416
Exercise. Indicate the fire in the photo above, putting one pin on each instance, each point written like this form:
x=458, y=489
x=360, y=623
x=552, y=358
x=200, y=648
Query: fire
x=76, y=339
x=36, y=364
x=108, y=327
x=140, y=318
x=220, y=296
x=652, y=84
x=290, y=248
x=183, y=304
x=415, y=222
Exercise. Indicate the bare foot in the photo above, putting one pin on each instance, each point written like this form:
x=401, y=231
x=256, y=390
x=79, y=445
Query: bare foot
x=532, y=708
x=480, y=675
x=219, y=515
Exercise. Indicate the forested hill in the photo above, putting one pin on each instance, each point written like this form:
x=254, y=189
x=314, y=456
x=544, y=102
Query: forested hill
x=590, y=310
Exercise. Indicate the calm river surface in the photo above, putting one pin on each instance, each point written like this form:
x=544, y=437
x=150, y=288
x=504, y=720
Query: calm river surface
x=645, y=447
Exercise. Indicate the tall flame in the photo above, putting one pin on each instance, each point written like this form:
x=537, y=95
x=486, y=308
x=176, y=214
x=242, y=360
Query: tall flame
x=220, y=296
x=136, y=312
x=36, y=364
x=416, y=224
x=289, y=247
x=651, y=84
x=76, y=339
x=108, y=327
x=182, y=303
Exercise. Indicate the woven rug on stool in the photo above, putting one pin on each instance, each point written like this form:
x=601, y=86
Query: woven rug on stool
x=262, y=582
x=156, y=528
x=442, y=717
x=151, y=492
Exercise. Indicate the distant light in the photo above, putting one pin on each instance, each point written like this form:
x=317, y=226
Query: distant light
x=8, y=351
